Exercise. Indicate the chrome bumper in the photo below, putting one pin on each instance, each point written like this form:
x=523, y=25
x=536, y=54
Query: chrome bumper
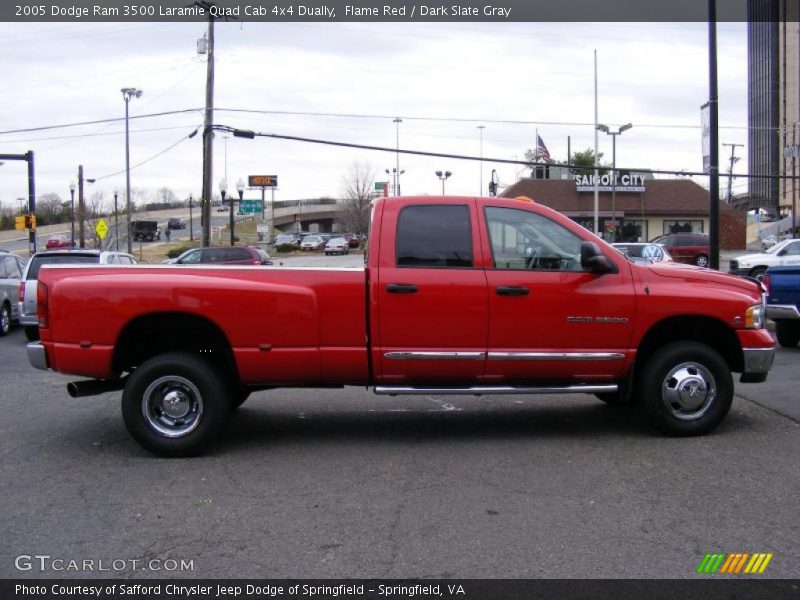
x=37, y=355
x=757, y=360
x=782, y=311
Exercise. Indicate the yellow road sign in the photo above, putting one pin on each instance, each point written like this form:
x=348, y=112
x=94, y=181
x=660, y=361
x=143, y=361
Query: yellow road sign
x=101, y=229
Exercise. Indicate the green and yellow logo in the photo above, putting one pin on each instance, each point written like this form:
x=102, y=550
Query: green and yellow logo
x=734, y=564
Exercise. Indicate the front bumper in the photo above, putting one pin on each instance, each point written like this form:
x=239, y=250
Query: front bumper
x=777, y=312
x=37, y=355
x=757, y=363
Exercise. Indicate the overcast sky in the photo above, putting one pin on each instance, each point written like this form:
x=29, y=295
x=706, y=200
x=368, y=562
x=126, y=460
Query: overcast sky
x=443, y=80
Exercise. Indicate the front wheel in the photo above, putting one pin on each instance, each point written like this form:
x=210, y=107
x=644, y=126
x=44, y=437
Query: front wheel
x=686, y=388
x=758, y=273
x=701, y=260
x=175, y=404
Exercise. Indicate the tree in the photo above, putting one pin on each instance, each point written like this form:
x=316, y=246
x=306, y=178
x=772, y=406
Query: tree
x=51, y=209
x=358, y=192
x=585, y=158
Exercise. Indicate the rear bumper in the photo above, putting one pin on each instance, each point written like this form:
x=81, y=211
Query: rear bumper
x=782, y=311
x=37, y=355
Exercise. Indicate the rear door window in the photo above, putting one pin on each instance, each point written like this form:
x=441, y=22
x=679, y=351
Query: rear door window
x=434, y=236
x=61, y=259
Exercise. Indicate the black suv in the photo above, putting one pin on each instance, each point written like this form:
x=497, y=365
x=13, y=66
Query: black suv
x=223, y=255
x=176, y=223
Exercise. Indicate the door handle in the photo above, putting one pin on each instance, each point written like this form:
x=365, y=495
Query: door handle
x=401, y=288
x=511, y=290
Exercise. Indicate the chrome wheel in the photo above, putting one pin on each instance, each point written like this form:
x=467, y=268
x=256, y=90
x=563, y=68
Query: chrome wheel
x=172, y=405
x=701, y=261
x=688, y=391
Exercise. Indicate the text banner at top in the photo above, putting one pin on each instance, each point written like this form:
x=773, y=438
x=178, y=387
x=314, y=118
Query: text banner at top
x=370, y=11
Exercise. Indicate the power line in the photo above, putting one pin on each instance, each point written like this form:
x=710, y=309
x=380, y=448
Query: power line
x=147, y=160
x=101, y=121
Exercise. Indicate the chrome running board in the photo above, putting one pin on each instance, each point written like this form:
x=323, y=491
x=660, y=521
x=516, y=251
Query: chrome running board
x=479, y=390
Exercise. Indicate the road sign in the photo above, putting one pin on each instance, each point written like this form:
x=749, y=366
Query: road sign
x=101, y=229
x=262, y=180
x=250, y=206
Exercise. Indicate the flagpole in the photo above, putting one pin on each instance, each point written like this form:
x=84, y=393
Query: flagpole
x=596, y=173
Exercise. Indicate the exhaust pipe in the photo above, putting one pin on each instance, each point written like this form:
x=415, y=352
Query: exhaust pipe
x=92, y=387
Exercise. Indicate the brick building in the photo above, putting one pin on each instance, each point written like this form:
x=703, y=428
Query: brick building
x=644, y=208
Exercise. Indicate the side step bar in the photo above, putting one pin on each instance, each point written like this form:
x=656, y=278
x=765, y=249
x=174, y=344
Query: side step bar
x=478, y=390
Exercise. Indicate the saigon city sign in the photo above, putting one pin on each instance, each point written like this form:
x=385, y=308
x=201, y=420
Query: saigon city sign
x=605, y=183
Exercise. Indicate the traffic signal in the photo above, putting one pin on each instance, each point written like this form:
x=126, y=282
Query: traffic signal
x=19, y=222
x=30, y=221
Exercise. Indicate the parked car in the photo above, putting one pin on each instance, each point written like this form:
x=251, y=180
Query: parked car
x=223, y=208
x=176, y=223
x=285, y=240
x=28, y=286
x=783, y=303
x=337, y=245
x=223, y=255
x=782, y=254
x=643, y=252
x=689, y=248
x=11, y=269
x=352, y=239
x=312, y=242
x=58, y=241
x=768, y=242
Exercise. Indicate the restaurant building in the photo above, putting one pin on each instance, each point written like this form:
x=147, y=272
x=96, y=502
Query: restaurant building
x=642, y=208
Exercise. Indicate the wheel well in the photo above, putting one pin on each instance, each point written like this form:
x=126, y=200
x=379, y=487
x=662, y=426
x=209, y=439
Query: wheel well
x=704, y=330
x=149, y=335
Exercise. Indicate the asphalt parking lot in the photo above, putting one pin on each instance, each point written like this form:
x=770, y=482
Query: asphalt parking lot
x=343, y=483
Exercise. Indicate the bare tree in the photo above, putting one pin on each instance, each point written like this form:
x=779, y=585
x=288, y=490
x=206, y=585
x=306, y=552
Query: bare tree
x=166, y=196
x=50, y=208
x=358, y=192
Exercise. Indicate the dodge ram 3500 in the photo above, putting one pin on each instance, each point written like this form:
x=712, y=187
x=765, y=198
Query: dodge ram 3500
x=458, y=295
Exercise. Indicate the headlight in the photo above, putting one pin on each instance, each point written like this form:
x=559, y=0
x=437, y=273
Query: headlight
x=754, y=317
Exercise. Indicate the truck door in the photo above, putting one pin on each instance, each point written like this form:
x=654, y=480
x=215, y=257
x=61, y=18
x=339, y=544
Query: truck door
x=430, y=298
x=548, y=319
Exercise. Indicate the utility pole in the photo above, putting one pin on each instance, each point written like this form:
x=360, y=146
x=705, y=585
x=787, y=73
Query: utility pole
x=734, y=159
x=713, y=118
x=81, y=209
x=208, y=133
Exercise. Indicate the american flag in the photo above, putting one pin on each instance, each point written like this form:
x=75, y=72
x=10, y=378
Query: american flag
x=541, y=150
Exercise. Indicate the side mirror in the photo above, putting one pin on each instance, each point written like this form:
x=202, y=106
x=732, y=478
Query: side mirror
x=595, y=261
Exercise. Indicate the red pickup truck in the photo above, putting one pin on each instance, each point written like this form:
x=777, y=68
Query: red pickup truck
x=459, y=295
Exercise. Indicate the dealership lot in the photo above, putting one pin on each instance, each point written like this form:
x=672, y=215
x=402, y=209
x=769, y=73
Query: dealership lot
x=342, y=483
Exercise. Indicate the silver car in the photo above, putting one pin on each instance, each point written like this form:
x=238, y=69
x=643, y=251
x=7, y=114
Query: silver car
x=29, y=283
x=337, y=245
x=11, y=268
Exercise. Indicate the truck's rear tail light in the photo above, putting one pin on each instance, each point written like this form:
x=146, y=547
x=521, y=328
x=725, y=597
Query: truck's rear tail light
x=42, y=304
x=21, y=295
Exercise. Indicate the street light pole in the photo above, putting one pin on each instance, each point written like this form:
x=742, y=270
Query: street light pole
x=614, y=135
x=397, y=121
x=116, y=221
x=223, y=191
x=191, y=225
x=72, y=211
x=443, y=175
x=240, y=189
x=127, y=94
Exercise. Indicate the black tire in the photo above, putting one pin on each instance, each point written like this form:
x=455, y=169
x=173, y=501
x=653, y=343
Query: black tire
x=192, y=389
x=32, y=332
x=701, y=260
x=5, y=319
x=787, y=332
x=757, y=273
x=686, y=389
